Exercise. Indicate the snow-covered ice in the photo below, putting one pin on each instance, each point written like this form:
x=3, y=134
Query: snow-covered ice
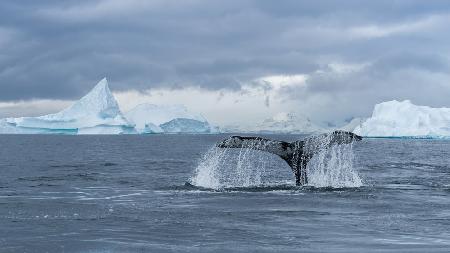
x=183, y=125
x=95, y=113
x=404, y=119
x=282, y=123
x=289, y=123
x=99, y=113
x=150, y=118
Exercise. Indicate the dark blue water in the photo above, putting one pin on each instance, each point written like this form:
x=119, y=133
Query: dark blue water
x=128, y=194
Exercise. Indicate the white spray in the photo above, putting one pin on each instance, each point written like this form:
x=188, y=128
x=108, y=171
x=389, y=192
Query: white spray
x=331, y=166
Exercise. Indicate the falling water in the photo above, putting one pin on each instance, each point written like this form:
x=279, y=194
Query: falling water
x=331, y=166
x=226, y=168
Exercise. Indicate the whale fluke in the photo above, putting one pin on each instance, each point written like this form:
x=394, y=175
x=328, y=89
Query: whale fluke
x=298, y=153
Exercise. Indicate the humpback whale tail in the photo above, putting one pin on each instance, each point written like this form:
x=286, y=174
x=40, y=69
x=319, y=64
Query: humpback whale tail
x=296, y=154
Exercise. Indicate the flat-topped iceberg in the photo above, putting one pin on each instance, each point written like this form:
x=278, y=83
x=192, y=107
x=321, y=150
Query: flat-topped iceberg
x=404, y=119
x=95, y=113
x=149, y=118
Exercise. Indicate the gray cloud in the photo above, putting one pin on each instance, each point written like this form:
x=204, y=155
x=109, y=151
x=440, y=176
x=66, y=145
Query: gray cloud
x=59, y=49
x=336, y=96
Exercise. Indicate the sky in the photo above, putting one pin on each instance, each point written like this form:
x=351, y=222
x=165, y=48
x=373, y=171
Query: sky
x=235, y=62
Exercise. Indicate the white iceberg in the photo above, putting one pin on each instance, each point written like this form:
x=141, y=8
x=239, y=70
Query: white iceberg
x=282, y=123
x=7, y=128
x=149, y=118
x=184, y=125
x=95, y=113
x=404, y=119
x=289, y=123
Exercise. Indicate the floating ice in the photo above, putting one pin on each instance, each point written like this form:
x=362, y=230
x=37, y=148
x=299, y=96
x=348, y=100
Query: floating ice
x=182, y=125
x=282, y=123
x=95, y=113
x=404, y=119
x=150, y=118
x=99, y=113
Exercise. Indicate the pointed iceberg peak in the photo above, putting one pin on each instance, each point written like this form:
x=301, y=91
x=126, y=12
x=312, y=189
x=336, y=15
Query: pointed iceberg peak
x=99, y=101
x=96, y=112
x=103, y=84
x=100, y=90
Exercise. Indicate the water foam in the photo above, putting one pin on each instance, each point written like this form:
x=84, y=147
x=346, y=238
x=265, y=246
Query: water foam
x=332, y=166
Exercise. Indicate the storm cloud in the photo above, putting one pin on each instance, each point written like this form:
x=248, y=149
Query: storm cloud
x=354, y=53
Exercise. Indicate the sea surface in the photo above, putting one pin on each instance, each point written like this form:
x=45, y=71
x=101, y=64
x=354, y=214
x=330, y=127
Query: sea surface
x=139, y=194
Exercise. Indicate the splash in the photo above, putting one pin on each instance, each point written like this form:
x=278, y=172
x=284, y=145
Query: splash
x=227, y=168
x=330, y=166
x=207, y=172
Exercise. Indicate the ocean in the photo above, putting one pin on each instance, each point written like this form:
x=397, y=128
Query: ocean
x=177, y=193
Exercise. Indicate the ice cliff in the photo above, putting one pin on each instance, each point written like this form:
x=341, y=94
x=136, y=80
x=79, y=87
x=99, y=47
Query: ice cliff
x=404, y=119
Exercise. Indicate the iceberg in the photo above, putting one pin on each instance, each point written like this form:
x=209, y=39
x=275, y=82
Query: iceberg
x=98, y=113
x=404, y=119
x=7, y=128
x=183, y=125
x=150, y=118
x=282, y=123
x=288, y=123
x=150, y=128
x=95, y=113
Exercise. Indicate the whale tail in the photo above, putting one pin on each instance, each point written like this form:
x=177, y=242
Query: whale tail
x=297, y=154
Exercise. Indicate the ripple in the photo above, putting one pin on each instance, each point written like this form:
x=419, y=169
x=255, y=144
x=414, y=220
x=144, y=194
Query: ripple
x=262, y=188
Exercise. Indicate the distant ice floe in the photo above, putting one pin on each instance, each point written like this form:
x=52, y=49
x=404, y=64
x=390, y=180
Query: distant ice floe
x=282, y=123
x=98, y=113
x=404, y=119
x=150, y=118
